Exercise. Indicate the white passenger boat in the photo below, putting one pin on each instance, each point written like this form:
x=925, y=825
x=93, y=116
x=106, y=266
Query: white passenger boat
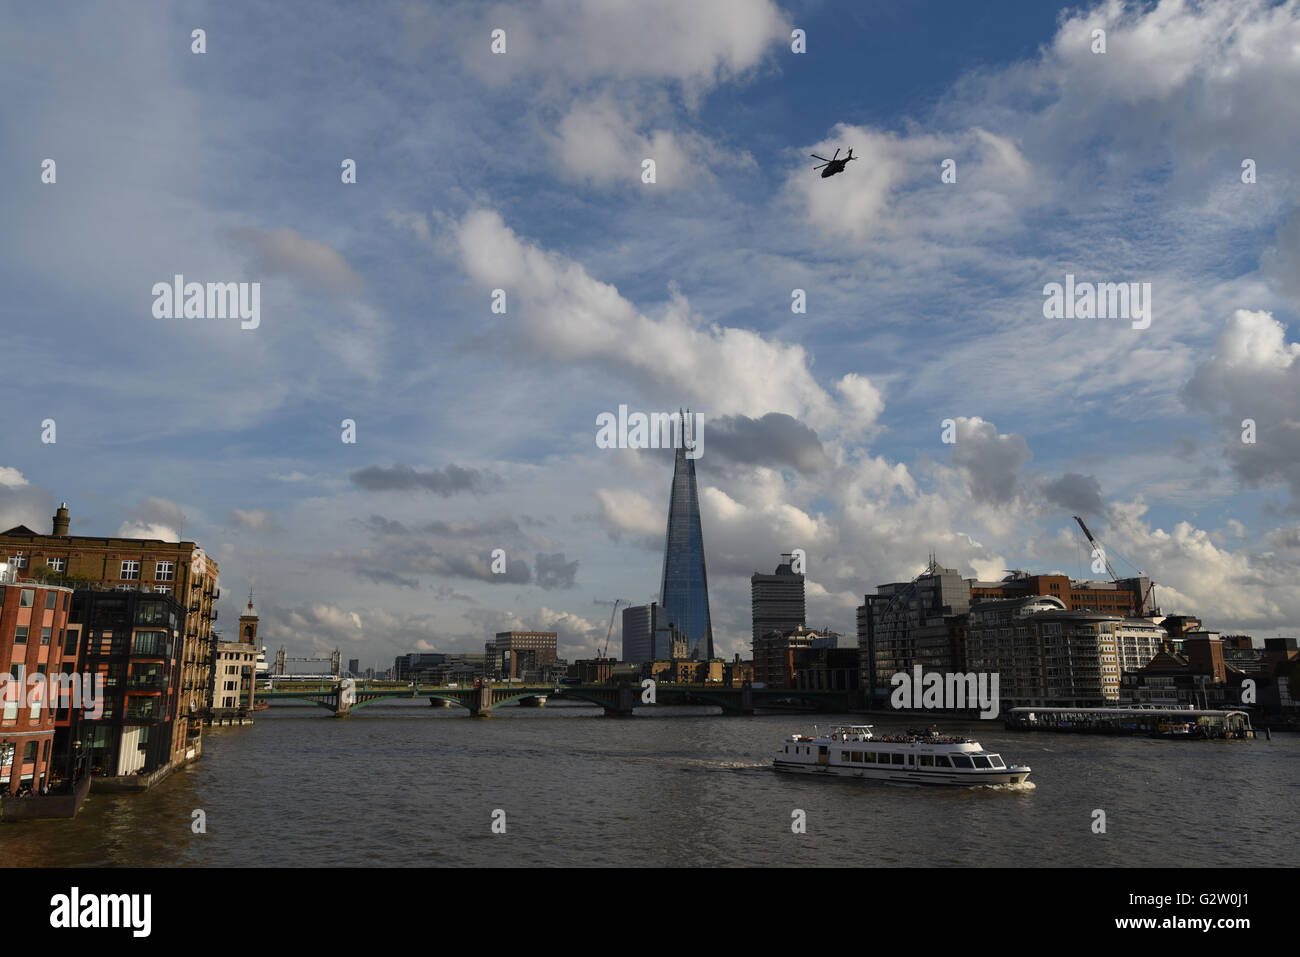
x=918, y=757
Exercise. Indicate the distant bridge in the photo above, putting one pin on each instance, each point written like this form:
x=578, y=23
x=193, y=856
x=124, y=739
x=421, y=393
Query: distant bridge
x=616, y=699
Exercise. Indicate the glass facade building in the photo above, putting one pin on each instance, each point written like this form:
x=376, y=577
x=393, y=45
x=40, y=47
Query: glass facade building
x=684, y=597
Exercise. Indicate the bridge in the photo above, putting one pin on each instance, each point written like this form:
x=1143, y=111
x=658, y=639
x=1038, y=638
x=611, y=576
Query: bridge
x=344, y=697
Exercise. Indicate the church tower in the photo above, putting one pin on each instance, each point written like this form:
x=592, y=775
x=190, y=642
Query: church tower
x=248, y=623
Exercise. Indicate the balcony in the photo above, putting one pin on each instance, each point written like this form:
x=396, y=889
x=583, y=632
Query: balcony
x=146, y=683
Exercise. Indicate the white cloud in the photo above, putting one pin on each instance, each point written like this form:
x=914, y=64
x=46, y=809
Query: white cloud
x=698, y=44
x=564, y=314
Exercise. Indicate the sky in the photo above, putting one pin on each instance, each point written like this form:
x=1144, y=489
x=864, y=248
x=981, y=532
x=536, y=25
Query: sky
x=1169, y=159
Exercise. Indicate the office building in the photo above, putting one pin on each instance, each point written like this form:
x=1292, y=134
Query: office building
x=641, y=623
x=777, y=600
x=684, y=594
x=520, y=654
x=912, y=623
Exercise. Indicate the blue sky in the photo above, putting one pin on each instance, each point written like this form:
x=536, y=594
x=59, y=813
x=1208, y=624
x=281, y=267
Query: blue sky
x=521, y=171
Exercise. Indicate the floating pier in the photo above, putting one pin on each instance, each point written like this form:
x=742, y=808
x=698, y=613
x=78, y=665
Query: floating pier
x=1178, y=723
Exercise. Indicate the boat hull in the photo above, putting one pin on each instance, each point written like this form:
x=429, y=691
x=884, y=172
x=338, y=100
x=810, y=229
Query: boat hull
x=926, y=778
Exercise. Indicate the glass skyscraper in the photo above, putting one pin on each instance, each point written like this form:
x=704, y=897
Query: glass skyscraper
x=684, y=597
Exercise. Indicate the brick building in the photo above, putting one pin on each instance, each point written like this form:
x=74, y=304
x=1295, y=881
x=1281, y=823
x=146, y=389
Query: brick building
x=520, y=654
x=147, y=566
x=33, y=631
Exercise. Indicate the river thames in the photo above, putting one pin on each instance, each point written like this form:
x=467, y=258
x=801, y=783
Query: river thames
x=408, y=785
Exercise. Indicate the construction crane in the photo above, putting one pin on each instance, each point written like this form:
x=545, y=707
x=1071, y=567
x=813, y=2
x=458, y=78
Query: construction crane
x=1100, y=551
x=603, y=652
x=1097, y=548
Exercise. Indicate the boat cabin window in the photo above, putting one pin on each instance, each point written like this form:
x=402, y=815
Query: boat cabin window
x=844, y=757
x=897, y=759
x=941, y=761
x=869, y=757
x=927, y=760
x=997, y=760
x=857, y=756
x=960, y=761
x=980, y=761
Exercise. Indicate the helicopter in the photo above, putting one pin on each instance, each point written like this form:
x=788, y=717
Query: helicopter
x=834, y=164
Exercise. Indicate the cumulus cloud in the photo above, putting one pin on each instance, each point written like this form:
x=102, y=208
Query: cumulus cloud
x=566, y=315
x=445, y=482
x=774, y=440
x=283, y=252
x=23, y=503
x=991, y=461
x=1254, y=374
x=157, y=518
x=554, y=572
x=1075, y=493
x=625, y=511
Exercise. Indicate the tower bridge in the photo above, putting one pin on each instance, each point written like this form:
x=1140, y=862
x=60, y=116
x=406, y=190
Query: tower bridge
x=345, y=696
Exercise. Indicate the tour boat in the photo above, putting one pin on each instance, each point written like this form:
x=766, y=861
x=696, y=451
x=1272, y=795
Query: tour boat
x=917, y=757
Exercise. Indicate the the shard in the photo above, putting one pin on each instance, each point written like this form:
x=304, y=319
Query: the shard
x=684, y=596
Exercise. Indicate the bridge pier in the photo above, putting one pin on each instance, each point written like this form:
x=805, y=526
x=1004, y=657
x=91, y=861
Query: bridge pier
x=481, y=705
x=625, y=699
x=746, y=708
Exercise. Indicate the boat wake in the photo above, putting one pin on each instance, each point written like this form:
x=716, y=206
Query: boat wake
x=1022, y=786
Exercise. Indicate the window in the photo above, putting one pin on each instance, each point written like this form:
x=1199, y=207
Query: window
x=29, y=752
x=150, y=613
x=844, y=757
x=50, y=598
x=163, y=589
x=26, y=597
x=150, y=643
x=927, y=760
x=20, y=635
x=164, y=571
x=896, y=759
x=130, y=571
x=996, y=759
x=57, y=564
x=960, y=761
x=941, y=761
x=45, y=635
x=69, y=639
x=18, y=561
x=981, y=761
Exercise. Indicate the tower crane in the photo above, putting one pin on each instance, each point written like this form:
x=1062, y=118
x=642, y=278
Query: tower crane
x=604, y=651
x=1101, y=551
x=1097, y=547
